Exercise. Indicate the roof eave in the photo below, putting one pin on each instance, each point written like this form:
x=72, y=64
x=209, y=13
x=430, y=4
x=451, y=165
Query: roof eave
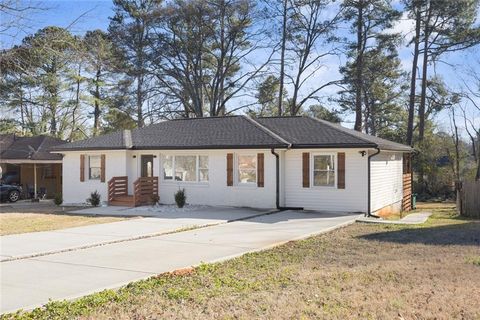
x=332, y=146
x=218, y=147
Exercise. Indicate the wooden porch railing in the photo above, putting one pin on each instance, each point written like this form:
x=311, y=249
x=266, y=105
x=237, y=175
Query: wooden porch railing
x=117, y=187
x=144, y=189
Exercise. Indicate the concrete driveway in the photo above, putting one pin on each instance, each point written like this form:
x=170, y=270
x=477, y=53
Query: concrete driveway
x=33, y=244
x=28, y=283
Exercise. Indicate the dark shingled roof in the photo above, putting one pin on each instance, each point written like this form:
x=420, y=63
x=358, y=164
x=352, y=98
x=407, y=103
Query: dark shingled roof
x=235, y=132
x=28, y=148
x=114, y=140
x=304, y=132
x=196, y=133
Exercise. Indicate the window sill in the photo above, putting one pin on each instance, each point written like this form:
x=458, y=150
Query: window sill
x=326, y=187
x=247, y=185
x=185, y=183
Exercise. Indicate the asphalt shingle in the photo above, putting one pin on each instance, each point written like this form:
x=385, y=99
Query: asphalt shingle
x=29, y=148
x=235, y=132
x=303, y=131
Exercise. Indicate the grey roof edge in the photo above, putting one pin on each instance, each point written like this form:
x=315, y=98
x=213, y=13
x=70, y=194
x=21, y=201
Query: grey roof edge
x=332, y=146
x=263, y=146
x=267, y=131
x=402, y=147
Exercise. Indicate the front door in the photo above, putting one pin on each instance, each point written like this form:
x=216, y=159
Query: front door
x=147, y=165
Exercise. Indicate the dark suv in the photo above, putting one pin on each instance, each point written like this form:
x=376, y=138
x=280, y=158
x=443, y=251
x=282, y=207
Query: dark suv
x=10, y=192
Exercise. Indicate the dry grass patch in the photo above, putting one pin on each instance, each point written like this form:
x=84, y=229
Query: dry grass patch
x=362, y=271
x=14, y=223
x=435, y=207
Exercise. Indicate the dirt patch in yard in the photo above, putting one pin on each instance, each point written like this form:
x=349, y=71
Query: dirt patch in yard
x=362, y=271
x=15, y=223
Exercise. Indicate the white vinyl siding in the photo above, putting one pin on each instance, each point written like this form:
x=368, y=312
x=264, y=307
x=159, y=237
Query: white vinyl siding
x=351, y=199
x=74, y=192
x=216, y=192
x=386, y=184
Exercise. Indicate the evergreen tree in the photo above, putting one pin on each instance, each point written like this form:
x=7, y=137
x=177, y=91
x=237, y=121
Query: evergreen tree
x=130, y=29
x=101, y=62
x=369, y=18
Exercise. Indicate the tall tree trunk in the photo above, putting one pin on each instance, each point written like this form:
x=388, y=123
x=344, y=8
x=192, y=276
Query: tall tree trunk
x=22, y=113
x=413, y=80
x=221, y=94
x=477, y=175
x=96, y=111
x=423, y=95
x=359, y=69
x=140, y=101
x=367, y=114
x=282, y=58
x=457, y=161
x=77, y=100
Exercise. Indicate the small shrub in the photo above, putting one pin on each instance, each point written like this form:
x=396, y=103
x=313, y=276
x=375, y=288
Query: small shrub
x=94, y=199
x=155, y=198
x=180, y=198
x=58, y=199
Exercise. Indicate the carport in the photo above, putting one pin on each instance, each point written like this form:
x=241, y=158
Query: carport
x=27, y=162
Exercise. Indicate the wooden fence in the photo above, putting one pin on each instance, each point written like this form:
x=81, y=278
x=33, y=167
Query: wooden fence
x=469, y=205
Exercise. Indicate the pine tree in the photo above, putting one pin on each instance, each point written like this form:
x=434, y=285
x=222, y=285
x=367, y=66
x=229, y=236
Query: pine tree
x=368, y=18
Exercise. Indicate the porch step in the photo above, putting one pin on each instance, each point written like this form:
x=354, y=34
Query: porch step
x=124, y=201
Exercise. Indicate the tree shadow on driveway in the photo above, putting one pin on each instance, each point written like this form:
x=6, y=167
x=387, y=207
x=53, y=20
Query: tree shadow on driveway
x=465, y=234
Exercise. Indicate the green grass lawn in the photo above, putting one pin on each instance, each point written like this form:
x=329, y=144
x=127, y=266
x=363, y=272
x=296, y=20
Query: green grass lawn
x=14, y=223
x=362, y=271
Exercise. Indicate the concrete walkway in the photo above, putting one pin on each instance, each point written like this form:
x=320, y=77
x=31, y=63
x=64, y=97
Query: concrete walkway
x=29, y=283
x=414, y=218
x=33, y=244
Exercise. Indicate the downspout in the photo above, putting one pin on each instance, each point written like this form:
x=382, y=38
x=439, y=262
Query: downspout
x=369, y=196
x=277, y=185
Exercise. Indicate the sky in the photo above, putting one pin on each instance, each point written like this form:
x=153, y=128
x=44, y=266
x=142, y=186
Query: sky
x=82, y=15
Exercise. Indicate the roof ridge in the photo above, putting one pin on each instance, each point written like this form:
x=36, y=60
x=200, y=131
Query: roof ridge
x=201, y=118
x=270, y=117
x=41, y=143
x=266, y=130
x=340, y=127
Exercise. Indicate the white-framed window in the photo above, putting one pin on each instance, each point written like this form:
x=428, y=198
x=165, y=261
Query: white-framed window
x=246, y=169
x=323, y=170
x=94, y=168
x=185, y=168
x=203, y=168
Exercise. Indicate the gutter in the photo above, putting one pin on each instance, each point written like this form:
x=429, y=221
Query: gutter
x=277, y=183
x=369, y=196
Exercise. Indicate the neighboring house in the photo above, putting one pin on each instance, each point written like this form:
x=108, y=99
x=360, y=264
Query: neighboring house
x=27, y=161
x=298, y=162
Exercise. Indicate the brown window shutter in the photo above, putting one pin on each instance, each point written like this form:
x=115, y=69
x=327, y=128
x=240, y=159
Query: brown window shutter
x=82, y=167
x=102, y=168
x=229, y=169
x=306, y=169
x=341, y=170
x=260, y=170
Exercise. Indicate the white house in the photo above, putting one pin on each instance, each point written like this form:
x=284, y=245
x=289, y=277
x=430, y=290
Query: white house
x=283, y=162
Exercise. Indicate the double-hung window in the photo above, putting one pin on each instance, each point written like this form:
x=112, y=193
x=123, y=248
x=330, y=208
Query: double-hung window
x=247, y=169
x=202, y=168
x=324, y=170
x=185, y=168
x=94, y=167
